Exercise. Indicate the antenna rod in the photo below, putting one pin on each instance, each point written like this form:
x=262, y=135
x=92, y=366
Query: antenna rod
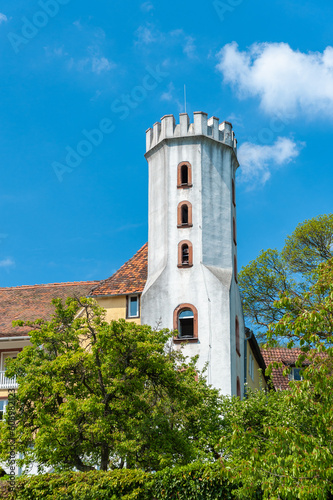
x=185, y=96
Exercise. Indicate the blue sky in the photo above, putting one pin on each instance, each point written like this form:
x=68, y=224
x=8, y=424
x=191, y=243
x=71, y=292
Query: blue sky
x=68, y=67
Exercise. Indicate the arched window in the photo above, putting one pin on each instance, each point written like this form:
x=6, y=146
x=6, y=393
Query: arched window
x=185, y=321
x=184, y=214
x=234, y=230
x=238, y=388
x=237, y=336
x=185, y=254
x=184, y=175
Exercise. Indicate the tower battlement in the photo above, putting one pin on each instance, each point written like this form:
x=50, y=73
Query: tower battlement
x=202, y=125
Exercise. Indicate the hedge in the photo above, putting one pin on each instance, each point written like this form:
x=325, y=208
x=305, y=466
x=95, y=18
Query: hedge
x=193, y=482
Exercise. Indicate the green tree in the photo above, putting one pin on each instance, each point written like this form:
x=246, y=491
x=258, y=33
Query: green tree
x=104, y=395
x=293, y=270
x=282, y=442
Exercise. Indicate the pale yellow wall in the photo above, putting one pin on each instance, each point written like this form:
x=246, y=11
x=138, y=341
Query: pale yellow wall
x=115, y=308
x=259, y=381
x=3, y=394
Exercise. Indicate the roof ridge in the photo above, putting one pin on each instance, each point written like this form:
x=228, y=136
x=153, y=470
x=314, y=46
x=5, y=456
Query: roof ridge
x=65, y=283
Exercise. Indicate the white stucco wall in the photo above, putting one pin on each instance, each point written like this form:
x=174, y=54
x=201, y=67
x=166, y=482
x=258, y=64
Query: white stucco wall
x=209, y=285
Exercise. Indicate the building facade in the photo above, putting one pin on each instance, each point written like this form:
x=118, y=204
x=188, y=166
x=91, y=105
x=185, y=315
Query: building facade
x=185, y=278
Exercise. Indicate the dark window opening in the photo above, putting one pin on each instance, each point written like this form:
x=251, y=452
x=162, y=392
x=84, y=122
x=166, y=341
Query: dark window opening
x=238, y=388
x=186, y=324
x=237, y=336
x=233, y=193
x=184, y=174
x=185, y=254
x=184, y=214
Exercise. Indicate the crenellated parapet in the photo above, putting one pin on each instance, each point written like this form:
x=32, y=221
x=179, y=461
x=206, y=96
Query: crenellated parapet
x=202, y=125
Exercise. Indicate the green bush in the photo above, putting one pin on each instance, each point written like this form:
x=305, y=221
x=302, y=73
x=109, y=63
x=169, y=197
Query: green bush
x=192, y=482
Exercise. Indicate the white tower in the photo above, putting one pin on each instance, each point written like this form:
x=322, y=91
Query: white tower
x=192, y=248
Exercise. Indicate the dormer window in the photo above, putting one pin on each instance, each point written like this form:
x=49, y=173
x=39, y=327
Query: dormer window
x=184, y=175
x=184, y=214
x=185, y=254
x=295, y=374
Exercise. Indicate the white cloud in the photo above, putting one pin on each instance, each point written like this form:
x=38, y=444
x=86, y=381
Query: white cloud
x=147, y=6
x=53, y=52
x=189, y=47
x=187, y=41
x=7, y=263
x=95, y=64
x=100, y=64
x=3, y=18
x=257, y=161
x=168, y=95
x=285, y=80
x=146, y=35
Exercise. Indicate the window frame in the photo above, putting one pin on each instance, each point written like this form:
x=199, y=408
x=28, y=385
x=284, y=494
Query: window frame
x=180, y=254
x=179, y=309
x=12, y=354
x=180, y=224
x=128, y=304
x=292, y=373
x=189, y=175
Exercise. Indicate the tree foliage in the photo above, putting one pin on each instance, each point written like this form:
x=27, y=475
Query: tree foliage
x=293, y=270
x=109, y=395
x=282, y=442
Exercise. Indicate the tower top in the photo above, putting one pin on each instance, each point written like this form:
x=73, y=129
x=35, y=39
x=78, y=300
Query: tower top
x=168, y=129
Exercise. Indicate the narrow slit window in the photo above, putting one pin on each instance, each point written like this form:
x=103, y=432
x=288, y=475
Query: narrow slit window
x=235, y=268
x=186, y=324
x=237, y=336
x=238, y=388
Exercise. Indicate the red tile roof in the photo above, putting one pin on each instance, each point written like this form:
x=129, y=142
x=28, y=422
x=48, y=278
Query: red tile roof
x=32, y=302
x=130, y=278
x=287, y=357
